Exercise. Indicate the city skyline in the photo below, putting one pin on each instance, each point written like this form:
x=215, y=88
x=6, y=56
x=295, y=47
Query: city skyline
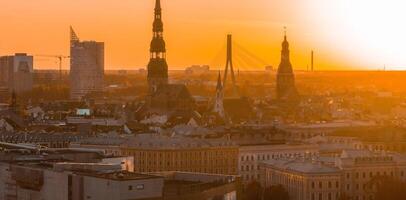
x=366, y=41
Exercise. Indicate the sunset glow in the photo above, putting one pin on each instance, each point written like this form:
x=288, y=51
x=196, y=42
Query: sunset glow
x=345, y=34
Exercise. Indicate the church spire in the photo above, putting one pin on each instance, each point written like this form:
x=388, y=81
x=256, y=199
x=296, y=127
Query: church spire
x=157, y=5
x=219, y=101
x=157, y=67
x=285, y=83
x=285, y=38
x=219, y=83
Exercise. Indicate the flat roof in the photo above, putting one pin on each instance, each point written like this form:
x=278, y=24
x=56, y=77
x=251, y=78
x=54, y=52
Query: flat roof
x=120, y=176
x=307, y=167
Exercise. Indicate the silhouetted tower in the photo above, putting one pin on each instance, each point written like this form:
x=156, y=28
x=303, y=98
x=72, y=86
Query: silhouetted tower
x=229, y=65
x=285, y=80
x=218, y=104
x=312, y=61
x=157, y=67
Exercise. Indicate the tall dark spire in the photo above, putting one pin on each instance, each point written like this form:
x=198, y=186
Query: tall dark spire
x=219, y=83
x=157, y=67
x=158, y=5
x=285, y=83
x=219, y=101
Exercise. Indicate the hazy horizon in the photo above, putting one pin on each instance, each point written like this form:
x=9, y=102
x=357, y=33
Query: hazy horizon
x=345, y=35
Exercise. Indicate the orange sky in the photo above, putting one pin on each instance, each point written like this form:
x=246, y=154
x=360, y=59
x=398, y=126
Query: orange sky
x=346, y=34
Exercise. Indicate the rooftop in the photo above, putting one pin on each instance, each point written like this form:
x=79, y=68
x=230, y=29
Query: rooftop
x=151, y=141
x=300, y=166
x=121, y=176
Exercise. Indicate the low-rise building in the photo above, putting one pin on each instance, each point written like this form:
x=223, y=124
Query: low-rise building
x=153, y=153
x=352, y=174
x=251, y=156
x=304, y=180
x=78, y=174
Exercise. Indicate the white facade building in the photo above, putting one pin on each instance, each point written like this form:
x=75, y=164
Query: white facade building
x=251, y=156
x=351, y=174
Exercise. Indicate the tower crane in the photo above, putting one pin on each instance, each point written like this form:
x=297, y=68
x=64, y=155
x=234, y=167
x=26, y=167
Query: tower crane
x=60, y=59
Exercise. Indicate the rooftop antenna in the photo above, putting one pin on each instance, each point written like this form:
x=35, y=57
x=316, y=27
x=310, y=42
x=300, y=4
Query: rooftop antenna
x=312, y=60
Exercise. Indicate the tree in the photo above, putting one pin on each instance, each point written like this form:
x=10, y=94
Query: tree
x=277, y=192
x=253, y=191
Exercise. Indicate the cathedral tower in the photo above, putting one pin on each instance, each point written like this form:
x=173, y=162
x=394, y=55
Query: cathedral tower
x=157, y=67
x=285, y=80
x=218, y=104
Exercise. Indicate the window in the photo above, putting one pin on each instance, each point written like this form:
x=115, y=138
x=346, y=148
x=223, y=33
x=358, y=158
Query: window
x=320, y=196
x=320, y=185
x=329, y=184
x=313, y=185
x=140, y=187
x=130, y=187
x=348, y=175
x=336, y=184
x=329, y=196
x=313, y=196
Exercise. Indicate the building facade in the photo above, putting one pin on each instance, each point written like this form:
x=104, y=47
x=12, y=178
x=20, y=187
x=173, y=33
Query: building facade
x=17, y=72
x=304, y=180
x=86, y=67
x=159, y=153
x=351, y=175
x=251, y=157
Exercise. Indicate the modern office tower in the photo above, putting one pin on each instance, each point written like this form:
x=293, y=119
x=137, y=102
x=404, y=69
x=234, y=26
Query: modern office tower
x=86, y=67
x=16, y=72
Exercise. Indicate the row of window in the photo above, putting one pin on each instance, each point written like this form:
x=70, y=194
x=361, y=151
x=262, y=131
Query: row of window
x=371, y=174
x=273, y=156
x=248, y=167
x=320, y=196
x=329, y=185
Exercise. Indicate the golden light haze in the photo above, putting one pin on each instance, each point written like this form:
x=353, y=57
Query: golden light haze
x=345, y=34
